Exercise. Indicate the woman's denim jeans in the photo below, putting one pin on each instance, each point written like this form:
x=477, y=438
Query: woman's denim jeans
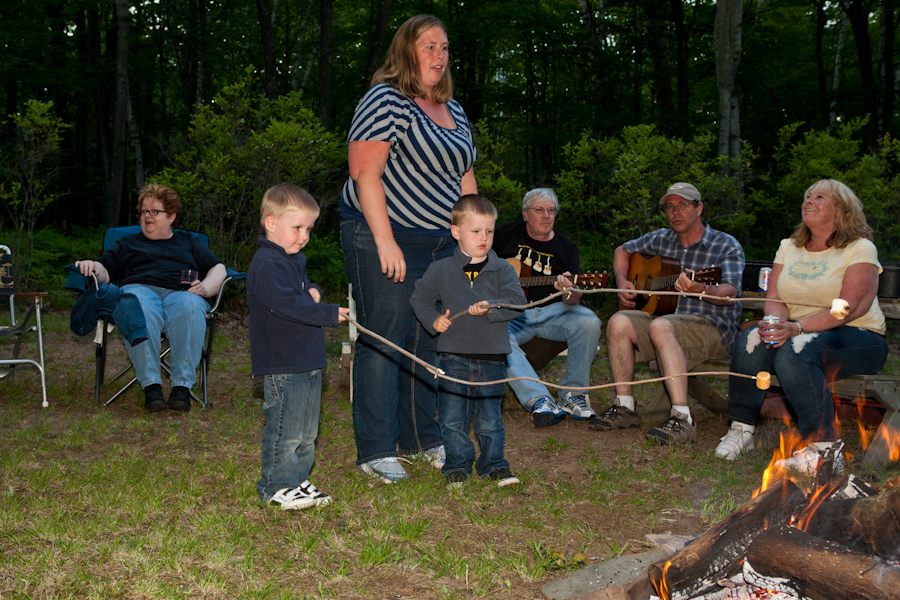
x=804, y=365
x=181, y=316
x=394, y=399
x=457, y=402
x=291, y=408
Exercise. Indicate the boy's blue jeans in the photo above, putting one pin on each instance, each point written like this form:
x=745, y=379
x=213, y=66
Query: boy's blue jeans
x=179, y=315
x=457, y=402
x=291, y=408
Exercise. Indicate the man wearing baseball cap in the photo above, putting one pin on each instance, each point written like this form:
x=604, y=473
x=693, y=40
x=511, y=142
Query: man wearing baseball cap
x=700, y=329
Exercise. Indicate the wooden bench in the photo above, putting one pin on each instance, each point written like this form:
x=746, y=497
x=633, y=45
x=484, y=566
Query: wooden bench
x=885, y=389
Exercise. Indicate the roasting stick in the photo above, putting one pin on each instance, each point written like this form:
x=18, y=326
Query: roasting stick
x=701, y=295
x=762, y=378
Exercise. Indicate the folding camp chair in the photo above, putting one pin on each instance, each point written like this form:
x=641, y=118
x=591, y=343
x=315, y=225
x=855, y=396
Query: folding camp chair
x=18, y=327
x=104, y=325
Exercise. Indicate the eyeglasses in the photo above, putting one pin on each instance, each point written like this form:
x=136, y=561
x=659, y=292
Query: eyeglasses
x=150, y=211
x=544, y=211
x=681, y=206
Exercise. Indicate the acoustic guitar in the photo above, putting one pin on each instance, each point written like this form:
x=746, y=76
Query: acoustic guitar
x=652, y=273
x=593, y=280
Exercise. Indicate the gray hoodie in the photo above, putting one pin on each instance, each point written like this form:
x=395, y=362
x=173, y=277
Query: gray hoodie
x=447, y=283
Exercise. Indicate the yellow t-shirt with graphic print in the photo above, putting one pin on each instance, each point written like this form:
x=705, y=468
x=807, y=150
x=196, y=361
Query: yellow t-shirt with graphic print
x=817, y=277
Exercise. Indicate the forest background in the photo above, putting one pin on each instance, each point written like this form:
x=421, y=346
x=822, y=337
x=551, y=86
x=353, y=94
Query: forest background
x=607, y=101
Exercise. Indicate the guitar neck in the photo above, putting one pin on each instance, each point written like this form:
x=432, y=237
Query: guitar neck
x=537, y=281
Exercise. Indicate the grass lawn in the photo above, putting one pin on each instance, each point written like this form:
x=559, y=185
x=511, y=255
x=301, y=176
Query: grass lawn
x=114, y=503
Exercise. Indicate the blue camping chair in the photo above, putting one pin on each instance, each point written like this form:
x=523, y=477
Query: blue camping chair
x=76, y=281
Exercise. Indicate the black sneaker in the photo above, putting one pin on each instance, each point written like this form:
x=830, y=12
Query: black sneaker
x=154, y=401
x=503, y=477
x=180, y=399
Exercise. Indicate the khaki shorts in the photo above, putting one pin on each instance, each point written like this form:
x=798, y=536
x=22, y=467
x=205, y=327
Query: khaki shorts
x=697, y=336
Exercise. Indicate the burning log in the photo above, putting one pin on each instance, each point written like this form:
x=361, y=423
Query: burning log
x=718, y=553
x=870, y=525
x=818, y=569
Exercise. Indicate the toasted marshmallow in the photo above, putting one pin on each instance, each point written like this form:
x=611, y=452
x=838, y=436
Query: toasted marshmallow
x=840, y=309
x=763, y=380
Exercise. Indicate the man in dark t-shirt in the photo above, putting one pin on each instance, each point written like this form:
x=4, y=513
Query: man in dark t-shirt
x=543, y=252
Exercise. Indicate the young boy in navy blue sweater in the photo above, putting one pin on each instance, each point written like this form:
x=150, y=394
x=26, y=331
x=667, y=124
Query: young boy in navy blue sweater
x=287, y=346
x=474, y=346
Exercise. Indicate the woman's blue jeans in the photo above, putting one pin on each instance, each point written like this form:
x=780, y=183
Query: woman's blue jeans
x=804, y=365
x=394, y=398
x=291, y=407
x=181, y=316
x=457, y=402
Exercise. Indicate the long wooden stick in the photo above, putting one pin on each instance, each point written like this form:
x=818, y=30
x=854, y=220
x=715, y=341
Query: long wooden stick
x=437, y=372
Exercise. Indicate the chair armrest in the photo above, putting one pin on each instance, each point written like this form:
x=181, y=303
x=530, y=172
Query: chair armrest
x=232, y=276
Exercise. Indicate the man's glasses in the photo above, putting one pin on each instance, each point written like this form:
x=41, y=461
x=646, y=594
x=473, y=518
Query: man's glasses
x=150, y=211
x=544, y=211
x=681, y=206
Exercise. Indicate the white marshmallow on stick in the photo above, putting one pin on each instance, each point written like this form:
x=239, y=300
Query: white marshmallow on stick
x=840, y=309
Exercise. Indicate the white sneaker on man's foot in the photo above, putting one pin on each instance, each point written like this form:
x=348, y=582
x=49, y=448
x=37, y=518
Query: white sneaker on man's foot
x=734, y=443
x=577, y=405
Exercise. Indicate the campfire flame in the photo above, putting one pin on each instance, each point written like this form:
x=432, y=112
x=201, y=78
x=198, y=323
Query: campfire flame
x=662, y=590
x=790, y=442
x=802, y=520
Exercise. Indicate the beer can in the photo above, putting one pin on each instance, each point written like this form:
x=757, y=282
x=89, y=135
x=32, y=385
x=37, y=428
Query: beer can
x=766, y=321
x=764, y=275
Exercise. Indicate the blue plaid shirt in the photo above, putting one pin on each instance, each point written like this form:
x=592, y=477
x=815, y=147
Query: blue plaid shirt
x=715, y=249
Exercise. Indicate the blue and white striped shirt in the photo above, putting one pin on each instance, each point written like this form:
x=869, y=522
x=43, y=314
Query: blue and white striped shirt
x=423, y=175
x=714, y=249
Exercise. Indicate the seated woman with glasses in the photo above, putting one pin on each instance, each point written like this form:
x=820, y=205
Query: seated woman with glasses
x=150, y=265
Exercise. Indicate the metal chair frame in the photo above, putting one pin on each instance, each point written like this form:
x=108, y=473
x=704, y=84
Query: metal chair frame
x=17, y=329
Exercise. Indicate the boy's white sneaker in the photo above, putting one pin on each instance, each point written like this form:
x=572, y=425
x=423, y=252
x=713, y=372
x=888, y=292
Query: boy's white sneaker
x=308, y=490
x=387, y=469
x=291, y=499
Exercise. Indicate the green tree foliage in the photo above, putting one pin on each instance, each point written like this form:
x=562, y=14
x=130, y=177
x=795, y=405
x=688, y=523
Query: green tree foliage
x=236, y=148
x=611, y=186
x=27, y=170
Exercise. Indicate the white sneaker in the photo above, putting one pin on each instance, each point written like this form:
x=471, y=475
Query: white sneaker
x=436, y=456
x=735, y=442
x=577, y=405
x=291, y=499
x=308, y=490
x=809, y=459
x=388, y=469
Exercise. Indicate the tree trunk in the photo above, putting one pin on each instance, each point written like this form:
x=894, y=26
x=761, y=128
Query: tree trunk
x=326, y=68
x=887, y=68
x=858, y=13
x=728, y=40
x=821, y=22
x=682, y=58
x=298, y=56
x=375, y=50
x=119, y=144
x=659, y=59
x=838, y=73
x=267, y=31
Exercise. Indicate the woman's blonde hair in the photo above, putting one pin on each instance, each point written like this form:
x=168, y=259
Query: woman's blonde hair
x=400, y=69
x=849, y=220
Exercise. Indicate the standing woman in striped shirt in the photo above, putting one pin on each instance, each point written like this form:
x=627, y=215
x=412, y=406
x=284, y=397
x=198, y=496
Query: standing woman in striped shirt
x=411, y=152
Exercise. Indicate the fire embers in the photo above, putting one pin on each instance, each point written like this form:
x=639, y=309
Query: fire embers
x=838, y=543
